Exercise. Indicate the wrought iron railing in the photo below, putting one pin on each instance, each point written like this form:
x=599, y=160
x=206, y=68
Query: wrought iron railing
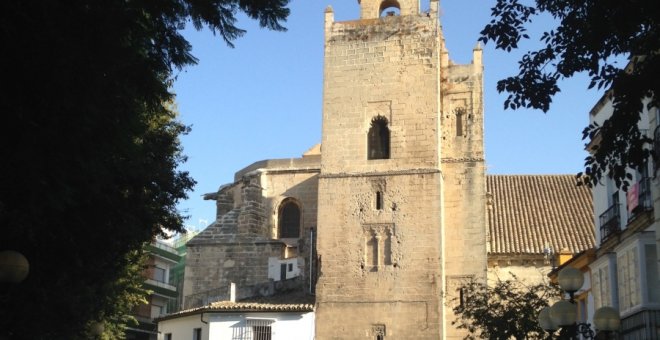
x=609, y=222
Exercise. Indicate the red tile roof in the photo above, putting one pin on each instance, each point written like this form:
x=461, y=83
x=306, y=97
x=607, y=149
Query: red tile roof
x=228, y=307
x=527, y=213
x=295, y=301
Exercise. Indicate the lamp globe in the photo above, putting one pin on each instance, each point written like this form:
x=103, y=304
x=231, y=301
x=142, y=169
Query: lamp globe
x=14, y=267
x=607, y=319
x=570, y=279
x=563, y=313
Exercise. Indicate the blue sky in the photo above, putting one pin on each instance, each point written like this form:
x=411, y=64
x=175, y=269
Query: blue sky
x=262, y=99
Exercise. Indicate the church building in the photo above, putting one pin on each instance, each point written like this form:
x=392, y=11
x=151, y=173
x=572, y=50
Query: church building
x=379, y=225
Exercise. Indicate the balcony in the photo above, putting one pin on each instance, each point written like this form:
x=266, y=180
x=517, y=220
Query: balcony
x=639, y=198
x=163, y=250
x=161, y=288
x=609, y=222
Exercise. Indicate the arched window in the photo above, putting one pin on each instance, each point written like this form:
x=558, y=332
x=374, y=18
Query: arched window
x=460, y=117
x=389, y=8
x=289, y=220
x=379, y=139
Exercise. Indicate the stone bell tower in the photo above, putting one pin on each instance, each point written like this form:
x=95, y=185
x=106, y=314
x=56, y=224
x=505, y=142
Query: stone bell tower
x=401, y=209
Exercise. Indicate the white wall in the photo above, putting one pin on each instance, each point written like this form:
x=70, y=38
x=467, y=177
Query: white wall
x=182, y=328
x=299, y=326
x=601, y=194
x=285, y=326
x=274, y=267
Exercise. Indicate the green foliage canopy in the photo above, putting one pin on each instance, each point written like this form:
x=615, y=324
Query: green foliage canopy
x=90, y=146
x=504, y=309
x=589, y=37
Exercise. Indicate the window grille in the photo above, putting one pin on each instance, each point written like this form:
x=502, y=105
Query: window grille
x=254, y=329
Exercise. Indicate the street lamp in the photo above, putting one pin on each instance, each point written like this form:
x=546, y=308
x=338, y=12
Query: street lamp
x=97, y=328
x=563, y=314
x=14, y=267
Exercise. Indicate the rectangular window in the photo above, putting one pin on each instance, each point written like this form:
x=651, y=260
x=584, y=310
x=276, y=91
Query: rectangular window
x=595, y=287
x=379, y=200
x=582, y=312
x=157, y=311
x=197, y=334
x=627, y=274
x=159, y=274
x=651, y=259
x=601, y=287
x=168, y=336
x=256, y=329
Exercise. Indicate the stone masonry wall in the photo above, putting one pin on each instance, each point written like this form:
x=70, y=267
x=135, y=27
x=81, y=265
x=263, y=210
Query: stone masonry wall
x=397, y=67
x=464, y=200
x=380, y=268
x=237, y=246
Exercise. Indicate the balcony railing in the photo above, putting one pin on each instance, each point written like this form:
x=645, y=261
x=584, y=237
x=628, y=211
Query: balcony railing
x=160, y=284
x=609, y=222
x=166, y=247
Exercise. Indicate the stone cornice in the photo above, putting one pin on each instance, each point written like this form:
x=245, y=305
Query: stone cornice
x=382, y=173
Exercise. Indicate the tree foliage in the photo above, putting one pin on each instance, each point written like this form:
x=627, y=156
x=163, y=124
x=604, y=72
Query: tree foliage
x=589, y=37
x=126, y=293
x=90, y=147
x=503, y=309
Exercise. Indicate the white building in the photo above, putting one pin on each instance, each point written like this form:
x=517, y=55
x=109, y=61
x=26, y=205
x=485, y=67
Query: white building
x=624, y=274
x=240, y=321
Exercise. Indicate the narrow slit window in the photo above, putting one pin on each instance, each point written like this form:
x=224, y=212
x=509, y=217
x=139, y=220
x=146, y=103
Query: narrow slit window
x=460, y=116
x=372, y=251
x=379, y=139
x=379, y=200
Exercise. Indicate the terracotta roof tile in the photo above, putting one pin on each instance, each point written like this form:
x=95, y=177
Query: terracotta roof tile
x=259, y=307
x=528, y=212
x=297, y=302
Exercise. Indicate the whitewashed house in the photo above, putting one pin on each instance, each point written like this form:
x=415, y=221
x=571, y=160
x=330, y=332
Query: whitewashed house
x=624, y=273
x=240, y=321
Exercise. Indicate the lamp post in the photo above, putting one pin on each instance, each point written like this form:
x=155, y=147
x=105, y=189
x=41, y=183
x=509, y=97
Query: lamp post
x=97, y=328
x=14, y=267
x=563, y=314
